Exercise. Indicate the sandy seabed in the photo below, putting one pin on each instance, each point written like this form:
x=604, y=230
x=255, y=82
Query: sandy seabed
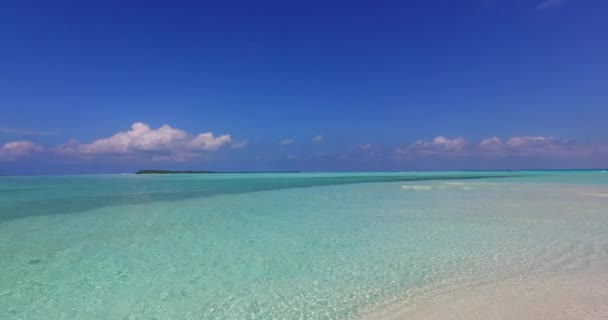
x=573, y=296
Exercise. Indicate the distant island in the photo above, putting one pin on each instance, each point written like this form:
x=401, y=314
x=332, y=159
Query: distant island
x=204, y=171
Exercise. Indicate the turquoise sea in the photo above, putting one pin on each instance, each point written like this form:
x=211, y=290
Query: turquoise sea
x=285, y=246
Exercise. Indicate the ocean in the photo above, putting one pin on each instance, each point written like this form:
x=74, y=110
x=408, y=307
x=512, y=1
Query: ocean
x=285, y=245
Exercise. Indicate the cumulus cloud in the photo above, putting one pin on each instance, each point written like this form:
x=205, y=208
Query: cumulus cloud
x=439, y=145
x=528, y=142
x=534, y=146
x=364, y=146
x=209, y=142
x=446, y=144
x=163, y=143
x=317, y=138
x=550, y=4
x=139, y=139
x=286, y=142
x=518, y=146
x=166, y=143
x=491, y=144
x=18, y=149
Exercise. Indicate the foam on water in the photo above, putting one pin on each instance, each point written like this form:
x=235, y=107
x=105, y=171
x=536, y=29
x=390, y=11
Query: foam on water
x=328, y=251
x=419, y=188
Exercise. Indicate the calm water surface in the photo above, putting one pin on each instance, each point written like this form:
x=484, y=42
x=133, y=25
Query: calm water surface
x=284, y=246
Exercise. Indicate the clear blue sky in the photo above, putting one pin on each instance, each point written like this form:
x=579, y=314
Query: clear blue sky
x=303, y=85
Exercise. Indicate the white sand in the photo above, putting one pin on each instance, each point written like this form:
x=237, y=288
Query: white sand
x=579, y=296
x=601, y=195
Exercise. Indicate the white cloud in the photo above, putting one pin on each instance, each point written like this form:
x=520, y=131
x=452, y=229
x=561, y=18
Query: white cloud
x=171, y=144
x=18, y=149
x=439, y=145
x=139, y=138
x=532, y=145
x=491, y=144
x=446, y=144
x=286, y=142
x=531, y=142
x=163, y=143
x=208, y=142
x=550, y=4
x=516, y=146
x=317, y=138
x=364, y=146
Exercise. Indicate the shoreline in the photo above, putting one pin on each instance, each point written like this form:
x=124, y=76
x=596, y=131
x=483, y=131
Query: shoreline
x=576, y=295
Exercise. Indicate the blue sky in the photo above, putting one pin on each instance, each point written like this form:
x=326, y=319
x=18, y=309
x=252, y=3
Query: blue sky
x=302, y=85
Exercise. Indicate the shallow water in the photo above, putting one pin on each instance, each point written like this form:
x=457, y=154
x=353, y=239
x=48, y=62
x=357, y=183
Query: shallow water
x=284, y=246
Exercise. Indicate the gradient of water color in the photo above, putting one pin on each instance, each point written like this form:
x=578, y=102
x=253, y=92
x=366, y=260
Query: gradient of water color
x=284, y=246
